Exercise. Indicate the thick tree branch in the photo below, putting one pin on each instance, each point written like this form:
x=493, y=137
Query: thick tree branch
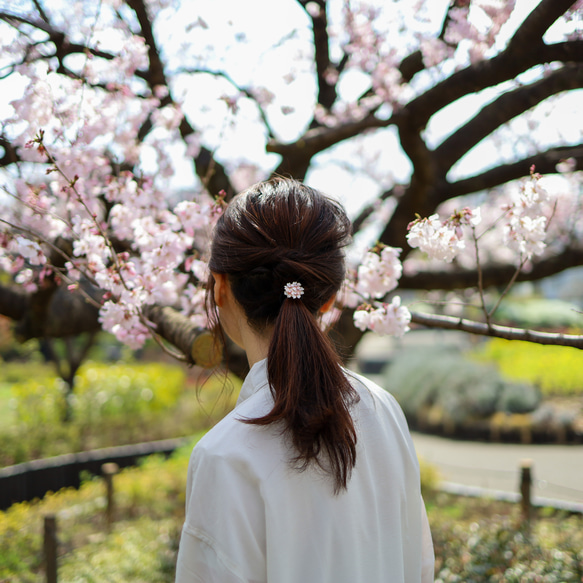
x=13, y=302
x=326, y=91
x=58, y=313
x=489, y=73
x=470, y=80
x=156, y=75
x=544, y=162
x=198, y=345
x=535, y=25
x=497, y=331
x=503, y=109
x=10, y=155
x=297, y=156
x=212, y=174
x=492, y=275
x=318, y=139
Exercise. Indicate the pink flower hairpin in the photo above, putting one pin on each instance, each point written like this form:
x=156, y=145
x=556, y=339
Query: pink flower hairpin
x=293, y=290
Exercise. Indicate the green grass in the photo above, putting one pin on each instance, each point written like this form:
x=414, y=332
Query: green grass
x=556, y=370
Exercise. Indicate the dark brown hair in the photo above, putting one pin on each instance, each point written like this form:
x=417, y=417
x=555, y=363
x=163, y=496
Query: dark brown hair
x=274, y=233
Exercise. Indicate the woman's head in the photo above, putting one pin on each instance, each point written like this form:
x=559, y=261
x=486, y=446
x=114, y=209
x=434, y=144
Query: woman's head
x=275, y=233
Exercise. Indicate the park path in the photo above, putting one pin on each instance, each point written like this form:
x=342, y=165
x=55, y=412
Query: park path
x=557, y=470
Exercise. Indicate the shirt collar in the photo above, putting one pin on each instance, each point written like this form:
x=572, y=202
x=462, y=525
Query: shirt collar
x=255, y=380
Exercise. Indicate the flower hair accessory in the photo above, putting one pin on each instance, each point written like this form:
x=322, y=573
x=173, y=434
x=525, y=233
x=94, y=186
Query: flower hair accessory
x=293, y=290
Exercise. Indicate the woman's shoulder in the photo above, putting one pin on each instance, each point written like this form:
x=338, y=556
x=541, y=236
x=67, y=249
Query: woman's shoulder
x=248, y=448
x=376, y=399
x=365, y=386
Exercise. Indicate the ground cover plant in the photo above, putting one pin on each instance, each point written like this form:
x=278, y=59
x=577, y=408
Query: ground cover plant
x=475, y=540
x=480, y=540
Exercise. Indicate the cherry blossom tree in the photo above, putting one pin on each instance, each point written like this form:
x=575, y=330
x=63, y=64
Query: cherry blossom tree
x=128, y=124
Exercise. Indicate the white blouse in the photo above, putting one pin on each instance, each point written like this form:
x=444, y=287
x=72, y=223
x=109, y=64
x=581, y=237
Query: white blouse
x=252, y=518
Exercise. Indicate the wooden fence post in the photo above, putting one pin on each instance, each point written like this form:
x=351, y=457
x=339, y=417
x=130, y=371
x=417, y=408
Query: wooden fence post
x=50, y=548
x=109, y=470
x=525, y=489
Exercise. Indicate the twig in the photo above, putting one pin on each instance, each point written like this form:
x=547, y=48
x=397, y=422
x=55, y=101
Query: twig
x=507, y=288
x=497, y=331
x=480, y=280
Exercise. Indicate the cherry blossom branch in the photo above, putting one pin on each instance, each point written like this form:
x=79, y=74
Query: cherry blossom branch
x=495, y=330
x=37, y=236
x=71, y=183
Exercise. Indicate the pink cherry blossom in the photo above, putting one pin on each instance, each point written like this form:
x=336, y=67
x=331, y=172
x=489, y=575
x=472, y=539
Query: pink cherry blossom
x=379, y=274
x=387, y=319
x=30, y=250
x=124, y=323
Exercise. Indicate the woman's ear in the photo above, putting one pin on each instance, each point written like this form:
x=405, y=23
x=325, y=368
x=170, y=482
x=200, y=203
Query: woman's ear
x=326, y=307
x=220, y=288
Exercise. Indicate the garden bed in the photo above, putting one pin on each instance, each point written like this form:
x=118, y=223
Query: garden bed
x=478, y=540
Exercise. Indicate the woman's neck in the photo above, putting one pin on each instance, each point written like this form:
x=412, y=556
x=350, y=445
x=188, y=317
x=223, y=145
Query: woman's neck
x=255, y=345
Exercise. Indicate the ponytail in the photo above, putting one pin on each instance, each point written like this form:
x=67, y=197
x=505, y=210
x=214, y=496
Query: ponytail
x=275, y=233
x=312, y=396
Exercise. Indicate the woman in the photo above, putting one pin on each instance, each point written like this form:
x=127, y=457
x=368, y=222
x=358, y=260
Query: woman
x=313, y=476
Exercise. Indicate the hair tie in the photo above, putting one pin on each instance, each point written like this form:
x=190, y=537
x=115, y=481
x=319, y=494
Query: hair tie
x=293, y=290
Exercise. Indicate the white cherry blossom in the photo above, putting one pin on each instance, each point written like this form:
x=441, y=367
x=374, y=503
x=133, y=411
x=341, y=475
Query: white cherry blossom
x=439, y=240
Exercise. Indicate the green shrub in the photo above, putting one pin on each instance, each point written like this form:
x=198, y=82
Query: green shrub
x=112, y=405
x=106, y=393
x=557, y=370
x=140, y=551
x=443, y=379
x=17, y=372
